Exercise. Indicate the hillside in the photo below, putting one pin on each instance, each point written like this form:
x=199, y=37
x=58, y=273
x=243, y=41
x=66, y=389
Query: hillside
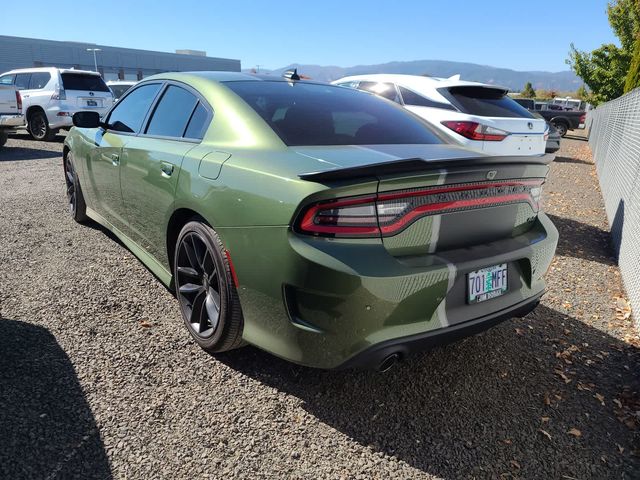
x=515, y=80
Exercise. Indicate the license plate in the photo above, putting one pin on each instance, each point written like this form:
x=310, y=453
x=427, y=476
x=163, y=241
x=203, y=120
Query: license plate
x=487, y=283
x=92, y=103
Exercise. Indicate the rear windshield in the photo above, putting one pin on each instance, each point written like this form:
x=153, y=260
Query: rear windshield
x=314, y=114
x=487, y=102
x=84, y=81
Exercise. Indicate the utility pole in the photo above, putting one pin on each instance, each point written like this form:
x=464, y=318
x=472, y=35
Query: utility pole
x=95, y=61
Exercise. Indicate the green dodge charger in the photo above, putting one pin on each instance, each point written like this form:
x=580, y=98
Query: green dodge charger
x=322, y=224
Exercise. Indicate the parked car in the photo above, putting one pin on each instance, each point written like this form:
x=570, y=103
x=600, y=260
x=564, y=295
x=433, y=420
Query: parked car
x=562, y=120
x=50, y=97
x=10, y=111
x=481, y=117
x=322, y=224
x=119, y=87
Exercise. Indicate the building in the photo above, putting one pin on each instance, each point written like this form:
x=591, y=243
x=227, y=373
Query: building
x=113, y=62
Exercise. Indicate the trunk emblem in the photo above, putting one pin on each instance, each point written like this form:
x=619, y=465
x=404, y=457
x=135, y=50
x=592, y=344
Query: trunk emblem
x=491, y=174
x=530, y=125
x=91, y=93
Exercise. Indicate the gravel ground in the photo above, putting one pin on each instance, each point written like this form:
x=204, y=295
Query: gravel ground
x=88, y=391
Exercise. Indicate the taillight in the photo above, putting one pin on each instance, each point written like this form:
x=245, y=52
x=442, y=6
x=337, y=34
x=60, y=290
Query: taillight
x=59, y=93
x=387, y=214
x=583, y=118
x=19, y=101
x=476, y=131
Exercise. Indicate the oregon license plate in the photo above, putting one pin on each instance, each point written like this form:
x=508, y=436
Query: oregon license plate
x=487, y=283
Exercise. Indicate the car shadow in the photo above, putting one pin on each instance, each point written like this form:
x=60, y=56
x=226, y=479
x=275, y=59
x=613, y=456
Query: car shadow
x=490, y=405
x=47, y=429
x=25, y=136
x=10, y=153
x=576, y=137
x=572, y=160
x=581, y=240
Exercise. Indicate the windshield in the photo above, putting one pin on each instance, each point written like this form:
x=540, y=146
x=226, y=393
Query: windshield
x=84, y=81
x=315, y=114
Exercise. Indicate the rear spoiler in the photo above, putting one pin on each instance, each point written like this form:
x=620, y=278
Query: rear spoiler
x=417, y=165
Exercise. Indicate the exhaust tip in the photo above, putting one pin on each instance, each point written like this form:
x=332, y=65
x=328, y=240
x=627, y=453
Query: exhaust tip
x=388, y=362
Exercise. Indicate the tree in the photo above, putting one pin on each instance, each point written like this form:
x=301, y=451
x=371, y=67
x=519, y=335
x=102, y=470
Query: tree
x=604, y=70
x=633, y=76
x=582, y=93
x=528, y=91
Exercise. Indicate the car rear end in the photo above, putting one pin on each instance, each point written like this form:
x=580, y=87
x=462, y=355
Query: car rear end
x=437, y=251
x=77, y=91
x=487, y=120
x=375, y=238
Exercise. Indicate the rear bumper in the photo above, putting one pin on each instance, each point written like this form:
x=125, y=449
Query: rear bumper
x=11, y=120
x=61, y=116
x=374, y=356
x=325, y=302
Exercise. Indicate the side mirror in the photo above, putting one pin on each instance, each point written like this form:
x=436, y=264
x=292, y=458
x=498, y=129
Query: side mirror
x=87, y=119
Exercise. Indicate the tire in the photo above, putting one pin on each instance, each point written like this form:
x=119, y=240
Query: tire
x=77, y=205
x=205, y=290
x=561, y=127
x=38, y=127
x=4, y=136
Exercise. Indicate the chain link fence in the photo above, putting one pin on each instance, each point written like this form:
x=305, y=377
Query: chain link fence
x=614, y=137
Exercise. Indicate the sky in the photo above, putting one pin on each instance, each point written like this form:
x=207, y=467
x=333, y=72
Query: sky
x=510, y=34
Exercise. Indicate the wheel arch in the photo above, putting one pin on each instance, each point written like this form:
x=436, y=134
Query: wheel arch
x=179, y=218
x=33, y=109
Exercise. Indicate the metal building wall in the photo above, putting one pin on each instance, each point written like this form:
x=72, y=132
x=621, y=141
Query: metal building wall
x=614, y=137
x=18, y=52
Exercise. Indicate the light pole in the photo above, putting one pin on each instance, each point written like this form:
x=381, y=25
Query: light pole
x=94, y=50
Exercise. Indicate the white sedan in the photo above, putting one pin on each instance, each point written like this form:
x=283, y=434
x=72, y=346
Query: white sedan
x=479, y=116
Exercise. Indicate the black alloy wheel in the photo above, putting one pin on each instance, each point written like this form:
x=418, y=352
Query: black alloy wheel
x=204, y=286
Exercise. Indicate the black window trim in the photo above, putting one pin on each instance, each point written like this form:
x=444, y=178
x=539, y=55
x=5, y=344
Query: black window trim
x=436, y=104
x=152, y=109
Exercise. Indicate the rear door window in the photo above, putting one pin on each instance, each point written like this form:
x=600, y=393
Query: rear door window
x=172, y=113
x=486, y=102
x=129, y=113
x=198, y=124
x=84, y=81
x=39, y=80
x=22, y=81
x=386, y=90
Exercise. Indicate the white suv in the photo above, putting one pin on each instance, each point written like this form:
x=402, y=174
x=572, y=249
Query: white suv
x=50, y=97
x=479, y=116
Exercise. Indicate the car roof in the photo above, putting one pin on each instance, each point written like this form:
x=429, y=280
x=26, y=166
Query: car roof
x=418, y=81
x=51, y=70
x=223, y=77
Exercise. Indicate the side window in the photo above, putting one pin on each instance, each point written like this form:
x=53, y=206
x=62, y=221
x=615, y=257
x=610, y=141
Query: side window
x=129, y=113
x=386, y=90
x=172, y=112
x=7, y=79
x=39, y=80
x=22, y=81
x=413, y=99
x=198, y=124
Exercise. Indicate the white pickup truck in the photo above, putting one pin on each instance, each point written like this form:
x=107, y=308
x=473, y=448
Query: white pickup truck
x=11, y=116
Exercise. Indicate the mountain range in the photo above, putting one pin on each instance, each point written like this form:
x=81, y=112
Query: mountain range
x=513, y=79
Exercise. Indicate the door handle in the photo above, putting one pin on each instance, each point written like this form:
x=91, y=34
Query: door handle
x=115, y=159
x=167, y=168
